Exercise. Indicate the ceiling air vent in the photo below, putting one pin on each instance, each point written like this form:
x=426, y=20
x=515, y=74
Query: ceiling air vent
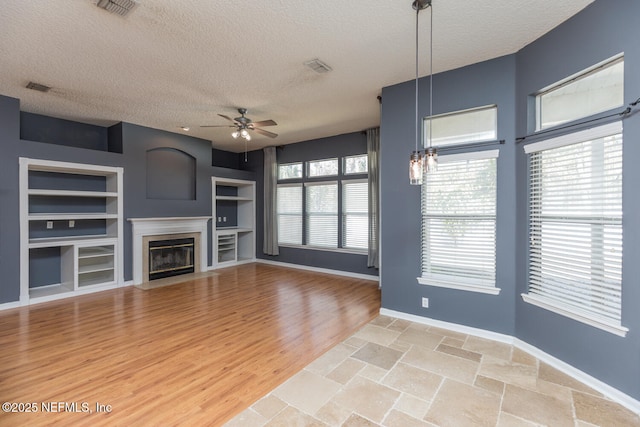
x=119, y=7
x=318, y=66
x=38, y=87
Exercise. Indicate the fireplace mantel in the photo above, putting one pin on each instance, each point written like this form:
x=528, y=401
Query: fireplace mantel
x=142, y=227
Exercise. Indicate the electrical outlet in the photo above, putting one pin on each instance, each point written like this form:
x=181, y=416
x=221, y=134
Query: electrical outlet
x=219, y=219
x=49, y=225
x=224, y=219
x=425, y=302
x=72, y=223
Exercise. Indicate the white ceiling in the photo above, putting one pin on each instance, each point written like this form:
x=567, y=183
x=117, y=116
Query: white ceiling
x=173, y=63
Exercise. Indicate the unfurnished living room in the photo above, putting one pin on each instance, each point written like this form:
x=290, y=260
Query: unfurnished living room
x=295, y=213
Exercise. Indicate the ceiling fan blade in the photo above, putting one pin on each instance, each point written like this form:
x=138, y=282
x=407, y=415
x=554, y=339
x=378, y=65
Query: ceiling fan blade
x=218, y=126
x=227, y=117
x=265, y=133
x=264, y=123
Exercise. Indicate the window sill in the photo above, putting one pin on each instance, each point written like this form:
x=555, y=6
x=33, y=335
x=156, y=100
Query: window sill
x=575, y=314
x=320, y=248
x=460, y=286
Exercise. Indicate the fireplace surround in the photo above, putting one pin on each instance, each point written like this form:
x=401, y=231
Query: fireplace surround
x=147, y=230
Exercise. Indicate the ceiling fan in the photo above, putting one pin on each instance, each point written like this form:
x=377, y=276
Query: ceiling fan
x=244, y=124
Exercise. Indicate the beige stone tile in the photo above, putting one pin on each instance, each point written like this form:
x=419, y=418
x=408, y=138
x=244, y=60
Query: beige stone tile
x=373, y=373
x=332, y=414
x=412, y=380
x=448, y=333
x=551, y=374
x=462, y=370
x=400, y=346
x=522, y=357
x=537, y=407
x=247, y=418
x=383, y=321
x=584, y=424
x=269, y=406
x=453, y=342
x=356, y=420
x=508, y=420
x=355, y=342
x=377, y=335
x=420, y=337
x=346, y=370
x=488, y=347
x=379, y=355
x=553, y=390
x=400, y=419
x=507, y=372
x=460, y=405
x=603, y=412
x=399, y=325
x=331, y=359
x=307, y=391
x=367, y=398
x=459, y=352
x=291, y=417
x=489, y=384
x=411, y=405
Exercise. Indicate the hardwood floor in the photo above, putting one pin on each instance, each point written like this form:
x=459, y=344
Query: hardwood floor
x=195, y=353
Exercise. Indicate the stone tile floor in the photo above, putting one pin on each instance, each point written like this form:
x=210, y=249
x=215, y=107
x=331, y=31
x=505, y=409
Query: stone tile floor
x=398, y=373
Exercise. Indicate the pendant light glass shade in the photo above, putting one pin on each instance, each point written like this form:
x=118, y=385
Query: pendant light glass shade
x=431, y=159
x=416, y=168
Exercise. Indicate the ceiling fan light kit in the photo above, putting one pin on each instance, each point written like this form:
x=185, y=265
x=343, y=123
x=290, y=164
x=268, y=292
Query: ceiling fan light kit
x=243, y=125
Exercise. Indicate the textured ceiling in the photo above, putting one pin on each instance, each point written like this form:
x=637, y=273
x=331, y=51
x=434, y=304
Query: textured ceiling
x=173, y=63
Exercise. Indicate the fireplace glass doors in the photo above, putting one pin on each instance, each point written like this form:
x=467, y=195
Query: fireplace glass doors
x=171, y=258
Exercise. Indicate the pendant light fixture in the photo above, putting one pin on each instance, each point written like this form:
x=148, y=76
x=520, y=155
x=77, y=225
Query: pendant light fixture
x=417, y=159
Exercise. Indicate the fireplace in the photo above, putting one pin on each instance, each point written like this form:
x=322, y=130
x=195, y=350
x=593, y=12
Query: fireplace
x=171, y=258
x=148, y=230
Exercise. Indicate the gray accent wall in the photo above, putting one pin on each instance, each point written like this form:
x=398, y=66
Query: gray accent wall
x=599, y=32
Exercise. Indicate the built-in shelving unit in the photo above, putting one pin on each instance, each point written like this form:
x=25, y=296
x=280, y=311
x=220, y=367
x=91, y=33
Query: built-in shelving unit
x=234, y=216
x=70, y=228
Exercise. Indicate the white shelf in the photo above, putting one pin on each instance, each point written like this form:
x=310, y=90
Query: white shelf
x=68, y=216
x=85, y=260
x=70, y=193
x=234, y=244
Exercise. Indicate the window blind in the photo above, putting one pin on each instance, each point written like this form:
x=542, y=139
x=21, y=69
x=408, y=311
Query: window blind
x=290, y=214
x=355, y=216
x=459, y=222
x=575, y=214
x=322, y=214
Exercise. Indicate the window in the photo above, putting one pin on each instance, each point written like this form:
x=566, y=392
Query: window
x=330, y=215
x=462, y=127
x=356, y=165
x=459, y=223
x=327, y=167
x=289, y=214
x=290, y=171
x=322, y=214
x=593, y=91
x=575, y=226
x=355, y=214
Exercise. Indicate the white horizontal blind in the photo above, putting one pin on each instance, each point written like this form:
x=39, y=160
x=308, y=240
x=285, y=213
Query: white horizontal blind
x=322, y=214
x=355, y=216
x=290, y=214
x=459, y=221
x=575, y=254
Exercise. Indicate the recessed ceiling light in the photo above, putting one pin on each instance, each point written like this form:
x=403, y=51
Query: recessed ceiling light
x=119, y=7
x=185, y=128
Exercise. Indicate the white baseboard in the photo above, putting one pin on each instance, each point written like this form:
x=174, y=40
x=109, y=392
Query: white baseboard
x=320, y=270
x=10, y=305
x=604, y=388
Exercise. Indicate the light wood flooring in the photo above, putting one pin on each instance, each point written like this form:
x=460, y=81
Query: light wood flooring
x=195, y=353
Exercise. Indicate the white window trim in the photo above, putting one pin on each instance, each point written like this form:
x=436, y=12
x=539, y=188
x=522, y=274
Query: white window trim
x=575, y=314
x=576, y=137
x=472, y=285
x=555, y=306
x=425, y=120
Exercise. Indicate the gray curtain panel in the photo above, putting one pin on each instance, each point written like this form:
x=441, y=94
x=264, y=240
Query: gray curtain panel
x=270, y=242
x=373, y=150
